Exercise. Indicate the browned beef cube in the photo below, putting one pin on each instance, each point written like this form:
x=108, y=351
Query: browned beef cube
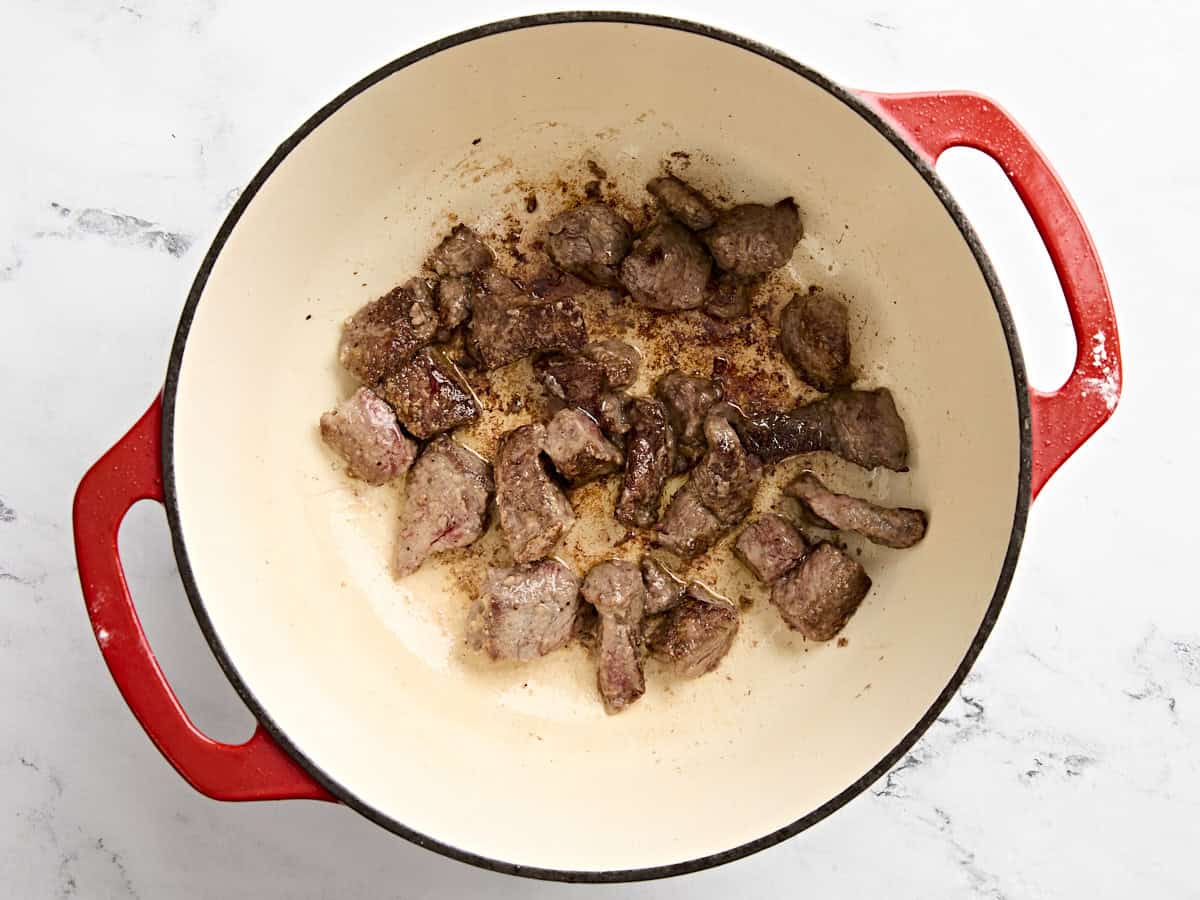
x=668, y=268
x=461, y=253
x=770, y=546
x=687, y=528
x=695, y=636
x=534, y=512
x=649, y=460
x=818, y=596
x=445, y=503
x=613, y=415
x=454, y=300
x=589, y=241
x=664, y=590
x=526, y=611
x=683, y=202
x=727, y=477
x=619, y=360
x=508, y=324
x=752, y=239
x=897, y=528
x=687, y=399
x=615, y=589
x=363, y=430
x=430, y=395
x=728, y=297
x=578, y=448
x=815, y=338
x=586, y=377
x=383, y=335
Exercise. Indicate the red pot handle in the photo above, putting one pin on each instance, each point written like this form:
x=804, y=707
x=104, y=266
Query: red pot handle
x=1062, y=419
x=256, y=770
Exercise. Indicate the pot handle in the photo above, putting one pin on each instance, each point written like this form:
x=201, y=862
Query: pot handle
x=256, y=770
x=1063, y=419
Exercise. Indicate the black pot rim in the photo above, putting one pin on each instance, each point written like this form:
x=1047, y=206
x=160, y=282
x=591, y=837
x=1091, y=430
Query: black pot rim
x=1022, y=500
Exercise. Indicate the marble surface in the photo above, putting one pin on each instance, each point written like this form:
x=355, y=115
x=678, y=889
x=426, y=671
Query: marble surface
x=1068, y=764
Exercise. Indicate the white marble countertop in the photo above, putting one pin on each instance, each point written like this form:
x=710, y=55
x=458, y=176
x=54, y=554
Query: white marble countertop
x=1068, y=766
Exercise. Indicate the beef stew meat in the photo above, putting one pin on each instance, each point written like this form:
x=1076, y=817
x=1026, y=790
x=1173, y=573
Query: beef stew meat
x=727, y=477
x=445, y=505
x=687, y=528
x=818, y=597
x=770, y=546
x=815, y=339
x=687, y=399
x=526, y=611
x=728, y=296
x=615, y=589
x=507, y=324
x=589, y=241
x=430, y=395
x=862, y=427
x=362, y=429
x=586, y=377
x=534, y=512
x=683, y=202
x=619, y=360
x=668, y=269
x=753, y=239
x=383, y=335
x=454, y=299
x=578, y=448
x=664, y=589
x=695, y=636
x=613, y=414
x=462, y=253
x=649, y=461
x=897, y=528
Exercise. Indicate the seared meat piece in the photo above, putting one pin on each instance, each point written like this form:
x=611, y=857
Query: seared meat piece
x=383, y=335
x=445, y=505
x=687, y=528
x=454, y=299
x=728, y=297
x=663, y=589
x=578, y=448
x=770, y=546
x=752, y=239
x=688, y=399
x=814, y=337
x=589, y=241
x=728, y=476
x=615, y=589
x=534, y=513
x=649, y=460
x=461, y=253
x=613, y=415
x=860, y=426
x=619, y=360
x=362, y=429
x=697, y=634
x=668, y=268
x=430, y=395
x=818, y=596
x=683, y=202
x=897, y=528
x=508, y=324
x=584, y=378
x=526, y=611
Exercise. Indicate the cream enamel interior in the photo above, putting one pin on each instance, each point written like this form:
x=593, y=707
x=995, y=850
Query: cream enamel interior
x=366, y=675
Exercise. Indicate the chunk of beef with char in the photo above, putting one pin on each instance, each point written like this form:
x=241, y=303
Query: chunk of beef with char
x=695, y=636
x=898, y=528
x=814, y=336
x=649, y=461
x=668, y=268
x=683, y=202
x=534, y=512
x=727, y=477
x=526, y=611
x=860, y=426
x=589, y=241
x=461, y=253
x=584, y=378
x=619, y=360
x=753, y=239
x=430, y=395
x=363, y=430
x=818, y=596
x=578, y=448
x=455, y=297
x=508, y=324
x=383, y=335
x=664, y=589
x=688, y=528
x=613, y=415
x=728, y=296
x=687, y=398
x=615, y=589
x=445, y=505
x=770, y=546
